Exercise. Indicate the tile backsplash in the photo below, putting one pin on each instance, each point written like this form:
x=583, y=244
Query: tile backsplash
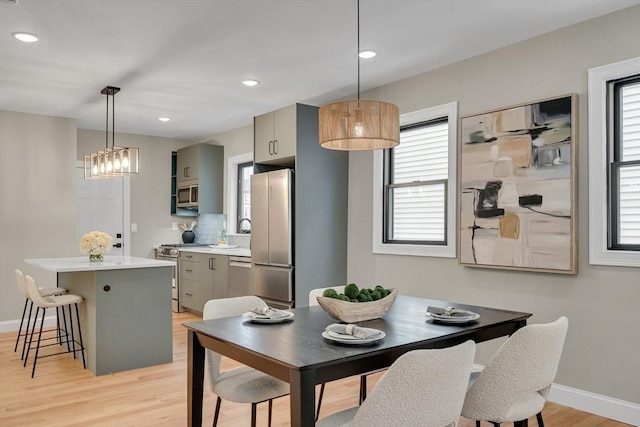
x=209, y=226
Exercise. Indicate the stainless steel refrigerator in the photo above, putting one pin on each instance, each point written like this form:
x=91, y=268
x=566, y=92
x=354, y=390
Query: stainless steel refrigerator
x=272, y=220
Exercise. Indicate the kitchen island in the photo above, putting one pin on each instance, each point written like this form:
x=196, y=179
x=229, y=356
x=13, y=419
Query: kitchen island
x=126, y=314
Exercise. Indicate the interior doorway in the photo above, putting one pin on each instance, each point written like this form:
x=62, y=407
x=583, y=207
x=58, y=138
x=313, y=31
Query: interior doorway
x=104, y=205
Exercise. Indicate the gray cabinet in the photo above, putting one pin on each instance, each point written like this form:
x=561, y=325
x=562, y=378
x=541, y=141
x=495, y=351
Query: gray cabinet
x=275, y=135
x=188, y=163
x=201, y=165
x=202, y=277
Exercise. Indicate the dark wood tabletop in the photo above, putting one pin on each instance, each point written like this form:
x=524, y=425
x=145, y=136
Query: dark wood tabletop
x=296, y=352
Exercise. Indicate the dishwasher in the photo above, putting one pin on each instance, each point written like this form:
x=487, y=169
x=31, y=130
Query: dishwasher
x=239, y=276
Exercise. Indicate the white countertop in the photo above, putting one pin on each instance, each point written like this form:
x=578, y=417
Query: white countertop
x=111, y=262
x=219, y=251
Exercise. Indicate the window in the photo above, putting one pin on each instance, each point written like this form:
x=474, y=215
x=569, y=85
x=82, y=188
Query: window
x=414, y=186
x=239, y=170
x=614, y=164
x=245, y=170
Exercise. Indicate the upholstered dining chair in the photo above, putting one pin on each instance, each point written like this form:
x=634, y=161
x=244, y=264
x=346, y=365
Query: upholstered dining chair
x=63, y=337
x=422, y=388
x=515, y=383
x=45, y=292
x=240, y=385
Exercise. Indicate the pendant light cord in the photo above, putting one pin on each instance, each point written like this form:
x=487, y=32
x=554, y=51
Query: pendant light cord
x=358, y=52
x=106, y=126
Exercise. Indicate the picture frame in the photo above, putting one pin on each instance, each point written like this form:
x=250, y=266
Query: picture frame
x=518, y=187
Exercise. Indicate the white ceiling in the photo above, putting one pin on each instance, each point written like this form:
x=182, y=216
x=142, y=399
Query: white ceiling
x=185, y=59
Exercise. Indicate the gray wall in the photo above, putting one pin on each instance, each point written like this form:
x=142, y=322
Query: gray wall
x=602, y=349
x=37, y=201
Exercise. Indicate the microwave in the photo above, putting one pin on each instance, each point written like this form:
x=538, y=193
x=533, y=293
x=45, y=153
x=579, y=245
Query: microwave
x=187, y=196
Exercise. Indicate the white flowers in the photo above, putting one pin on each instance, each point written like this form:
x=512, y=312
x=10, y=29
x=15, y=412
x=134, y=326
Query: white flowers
x=95, y=243
x=187, y=227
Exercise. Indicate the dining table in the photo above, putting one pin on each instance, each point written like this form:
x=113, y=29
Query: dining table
x=296, y=352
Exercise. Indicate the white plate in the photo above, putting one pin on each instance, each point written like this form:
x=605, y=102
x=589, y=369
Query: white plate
x=267, y=320
x=441, y=318
x=342, y=338
x=223, y=246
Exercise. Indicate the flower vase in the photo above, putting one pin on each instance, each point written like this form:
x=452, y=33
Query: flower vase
x=96, y=257
x=188, y=236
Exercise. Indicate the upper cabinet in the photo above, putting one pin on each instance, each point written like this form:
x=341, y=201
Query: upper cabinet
x=276, y=134
x=199, y=169
x=188, y=163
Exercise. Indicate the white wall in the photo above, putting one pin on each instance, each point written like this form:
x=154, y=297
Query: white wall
x=602, y=349
x=37, y=199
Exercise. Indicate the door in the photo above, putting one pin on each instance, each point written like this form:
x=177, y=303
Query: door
x=285, y=129
x=103, y=205
x=263, y=135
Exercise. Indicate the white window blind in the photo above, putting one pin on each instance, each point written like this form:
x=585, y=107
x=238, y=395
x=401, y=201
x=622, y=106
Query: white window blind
x=629, y=174
x=417, y=185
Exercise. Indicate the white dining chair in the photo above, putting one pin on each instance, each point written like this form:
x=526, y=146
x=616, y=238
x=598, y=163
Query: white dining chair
x=22, y=287
x=422, y=388
x=515, y=383
x=240, y=385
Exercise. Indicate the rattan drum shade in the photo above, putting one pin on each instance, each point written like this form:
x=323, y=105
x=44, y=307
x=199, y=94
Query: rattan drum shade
x=359, y=125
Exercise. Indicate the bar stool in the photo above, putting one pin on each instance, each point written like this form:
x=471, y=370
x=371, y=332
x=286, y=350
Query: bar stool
x=45, y=292
x=58, y=301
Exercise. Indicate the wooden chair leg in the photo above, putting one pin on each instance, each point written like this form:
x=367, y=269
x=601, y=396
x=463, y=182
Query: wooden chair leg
x=539, y=418
x=217, y=412
x=319, y=401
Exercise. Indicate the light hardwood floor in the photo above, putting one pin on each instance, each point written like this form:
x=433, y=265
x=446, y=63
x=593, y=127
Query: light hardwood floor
x=63, y=394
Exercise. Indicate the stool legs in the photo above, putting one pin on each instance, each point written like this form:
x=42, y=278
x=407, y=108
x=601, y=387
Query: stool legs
x=69, y=336
x=24, y=311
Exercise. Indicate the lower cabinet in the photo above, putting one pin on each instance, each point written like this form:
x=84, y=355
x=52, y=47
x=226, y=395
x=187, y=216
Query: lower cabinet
x=202, y=277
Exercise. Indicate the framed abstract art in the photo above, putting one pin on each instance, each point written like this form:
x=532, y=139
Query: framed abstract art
x=518, y=187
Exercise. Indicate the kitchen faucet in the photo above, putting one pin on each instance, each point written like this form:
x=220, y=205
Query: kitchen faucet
x=240, y=222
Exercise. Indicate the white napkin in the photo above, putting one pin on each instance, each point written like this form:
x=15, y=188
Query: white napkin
x=448, y=311
x=267, y=313
x=354, y=330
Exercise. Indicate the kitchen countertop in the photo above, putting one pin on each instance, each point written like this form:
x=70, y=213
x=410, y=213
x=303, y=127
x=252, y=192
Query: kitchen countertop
x=219, y=251
x=111, y=262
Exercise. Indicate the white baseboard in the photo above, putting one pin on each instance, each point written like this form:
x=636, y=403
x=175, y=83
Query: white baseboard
x=13, y=325
x=604, y=406
x=593, y=403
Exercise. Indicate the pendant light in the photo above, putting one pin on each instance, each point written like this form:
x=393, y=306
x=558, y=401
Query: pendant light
x=357, y=124
x=113, y=161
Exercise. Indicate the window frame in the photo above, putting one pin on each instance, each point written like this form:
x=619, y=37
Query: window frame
x=232, y=190
x=599, y=79
x=449, y=112
x=239, y=198
x=387, y=186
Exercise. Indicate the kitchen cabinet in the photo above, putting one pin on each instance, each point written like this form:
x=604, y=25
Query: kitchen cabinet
x=202, y=277
x=201, y=165
x=276, y=134
x=188, y=163
x=320, y=203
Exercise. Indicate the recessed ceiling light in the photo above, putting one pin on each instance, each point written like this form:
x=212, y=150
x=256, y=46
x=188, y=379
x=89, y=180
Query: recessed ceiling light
x=250, y=82
x=164, y=119
x=26, y=37
x=367, y=54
